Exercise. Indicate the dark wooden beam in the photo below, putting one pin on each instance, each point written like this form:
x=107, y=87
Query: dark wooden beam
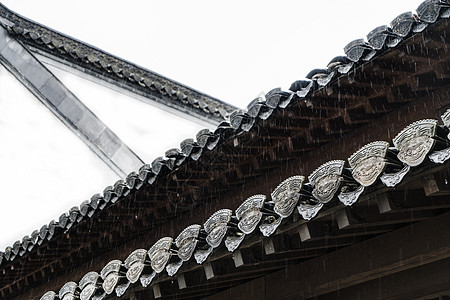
x=312, y=231
x=255, y=291
x=410, y=200
x=417, y=283
x=385, y=264
x=408, y=247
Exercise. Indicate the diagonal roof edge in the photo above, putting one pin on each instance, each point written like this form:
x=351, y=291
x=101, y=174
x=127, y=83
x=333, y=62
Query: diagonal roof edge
x=113, y=71
x=358, y=53
x=66, y=106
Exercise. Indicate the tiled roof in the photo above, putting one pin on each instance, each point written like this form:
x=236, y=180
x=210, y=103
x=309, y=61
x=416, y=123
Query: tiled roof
x=111, y=69
x=277, y=102
x=374, y=164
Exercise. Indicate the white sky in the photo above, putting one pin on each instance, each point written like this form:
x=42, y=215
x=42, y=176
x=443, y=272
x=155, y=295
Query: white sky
x=232, y=50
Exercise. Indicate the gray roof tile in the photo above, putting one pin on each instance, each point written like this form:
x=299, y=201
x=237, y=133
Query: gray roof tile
x=105, y=66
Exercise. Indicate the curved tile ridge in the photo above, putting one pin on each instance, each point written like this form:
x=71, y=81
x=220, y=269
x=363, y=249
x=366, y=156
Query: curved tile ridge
x=223, y=228
x=174, y=94
x=381, y=38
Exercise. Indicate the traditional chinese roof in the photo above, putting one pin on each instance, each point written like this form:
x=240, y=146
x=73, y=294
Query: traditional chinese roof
x=399, y=75
x=113, y=71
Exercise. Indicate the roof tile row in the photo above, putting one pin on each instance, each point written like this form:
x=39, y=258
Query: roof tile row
x=327, y=183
